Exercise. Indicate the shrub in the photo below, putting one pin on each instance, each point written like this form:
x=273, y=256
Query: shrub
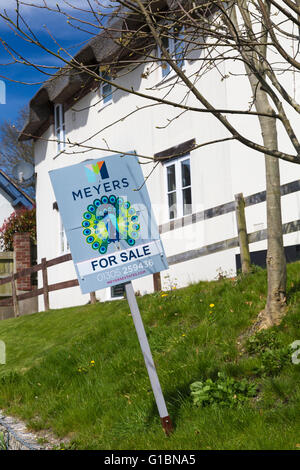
x=275, y=360
x=273, y=354
x=262, y=341
x=225, y=391
x=22, y=220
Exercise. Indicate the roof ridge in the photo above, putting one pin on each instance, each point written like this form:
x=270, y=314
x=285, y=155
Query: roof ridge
x=11, y=181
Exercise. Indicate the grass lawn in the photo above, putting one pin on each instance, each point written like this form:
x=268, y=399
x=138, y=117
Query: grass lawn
x=51, y=381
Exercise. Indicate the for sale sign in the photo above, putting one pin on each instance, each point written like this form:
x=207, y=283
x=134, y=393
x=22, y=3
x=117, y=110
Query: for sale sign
x=109, y=223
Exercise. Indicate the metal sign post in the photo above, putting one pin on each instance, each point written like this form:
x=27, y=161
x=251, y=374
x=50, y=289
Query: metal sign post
x=139, y=326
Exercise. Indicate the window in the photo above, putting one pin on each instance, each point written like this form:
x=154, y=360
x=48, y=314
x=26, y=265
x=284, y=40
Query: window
x=64, y=244
x=179, y=190
x=173, y=42
x=59, y=124
x=105, y=89
x=117, y=290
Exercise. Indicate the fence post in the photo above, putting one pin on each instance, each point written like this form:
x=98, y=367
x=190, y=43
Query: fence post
x=22, y=254
x=242, y=232
x=157, y=282
x=93, y=297
x=14, y=296
x=45, y=284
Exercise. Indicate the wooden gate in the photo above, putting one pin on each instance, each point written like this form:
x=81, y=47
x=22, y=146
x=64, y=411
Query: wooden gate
x=6, y=269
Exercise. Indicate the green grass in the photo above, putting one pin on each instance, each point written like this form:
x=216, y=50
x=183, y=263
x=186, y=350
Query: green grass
x=110, y=405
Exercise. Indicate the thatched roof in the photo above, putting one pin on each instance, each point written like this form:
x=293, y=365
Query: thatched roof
x=72, y=80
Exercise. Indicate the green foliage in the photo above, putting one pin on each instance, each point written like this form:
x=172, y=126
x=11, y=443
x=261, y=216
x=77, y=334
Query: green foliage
x=10, y=378
x=269, y=347
x=3, y=445
x=225, y=391
x=84, y=369
x=23, y=220
x=275, y=360
x=79, y=372
x=262, y=341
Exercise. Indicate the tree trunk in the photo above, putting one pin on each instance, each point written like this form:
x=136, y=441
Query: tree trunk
x=276, y=262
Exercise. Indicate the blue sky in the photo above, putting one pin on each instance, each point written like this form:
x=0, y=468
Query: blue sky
x=43, y=24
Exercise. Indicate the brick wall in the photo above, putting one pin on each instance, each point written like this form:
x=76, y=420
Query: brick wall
x=22, y=250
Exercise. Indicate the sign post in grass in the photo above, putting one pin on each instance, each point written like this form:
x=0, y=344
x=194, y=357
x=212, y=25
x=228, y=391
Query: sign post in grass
x=113, y=236
x=155, y=384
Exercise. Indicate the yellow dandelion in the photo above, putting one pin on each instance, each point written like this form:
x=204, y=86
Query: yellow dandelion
x=211, y=305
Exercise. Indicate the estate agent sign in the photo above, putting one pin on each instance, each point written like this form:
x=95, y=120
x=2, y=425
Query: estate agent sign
x=109, y=223
x=113, y=237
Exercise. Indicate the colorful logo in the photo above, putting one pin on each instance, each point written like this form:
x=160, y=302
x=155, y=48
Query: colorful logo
x=108, y=220
x=92, y=170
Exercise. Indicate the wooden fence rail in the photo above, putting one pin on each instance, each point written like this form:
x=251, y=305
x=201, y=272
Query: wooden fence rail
x=43, y=266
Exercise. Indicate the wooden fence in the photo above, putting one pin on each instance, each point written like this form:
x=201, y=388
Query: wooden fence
x=43, y=266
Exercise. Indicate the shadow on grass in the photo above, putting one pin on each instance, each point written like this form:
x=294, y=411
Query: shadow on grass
x=174, y=401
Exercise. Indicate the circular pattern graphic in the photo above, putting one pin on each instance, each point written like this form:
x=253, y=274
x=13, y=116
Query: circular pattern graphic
x=110, y=219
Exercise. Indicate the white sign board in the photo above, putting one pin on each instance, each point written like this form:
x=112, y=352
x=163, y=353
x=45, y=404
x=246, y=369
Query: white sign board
x=109, y=223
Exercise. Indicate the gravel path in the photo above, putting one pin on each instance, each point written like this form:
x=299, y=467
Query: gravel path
x=17, y=436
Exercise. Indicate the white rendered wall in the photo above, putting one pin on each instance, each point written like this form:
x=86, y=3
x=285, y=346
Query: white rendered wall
x=6, y=207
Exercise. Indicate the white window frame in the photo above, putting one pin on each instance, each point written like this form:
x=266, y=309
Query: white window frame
x=64, y=246
x=178, y=184
x=101, y=86
x=59, y=126
x=168, y=71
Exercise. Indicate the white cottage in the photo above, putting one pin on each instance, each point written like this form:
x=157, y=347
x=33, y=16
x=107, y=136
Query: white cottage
x=192, y=195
